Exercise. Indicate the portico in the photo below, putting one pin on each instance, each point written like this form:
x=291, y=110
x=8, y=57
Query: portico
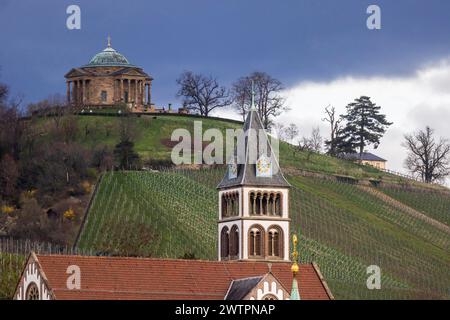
x=109, y=80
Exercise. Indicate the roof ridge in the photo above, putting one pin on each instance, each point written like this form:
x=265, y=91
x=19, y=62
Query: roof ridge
x=154, y=259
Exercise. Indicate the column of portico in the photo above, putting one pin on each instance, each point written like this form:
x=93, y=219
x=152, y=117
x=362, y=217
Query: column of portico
x=75, y=92
x=80, y=93
x=83, y=92
x=135, y=92
x=129, y=90
x=149, y=93
x=121, y=91
x=142, y=92
x=115, y=91
x=68, y=92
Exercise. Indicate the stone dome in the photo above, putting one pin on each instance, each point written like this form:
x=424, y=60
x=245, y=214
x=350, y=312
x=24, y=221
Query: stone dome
x=108, y=57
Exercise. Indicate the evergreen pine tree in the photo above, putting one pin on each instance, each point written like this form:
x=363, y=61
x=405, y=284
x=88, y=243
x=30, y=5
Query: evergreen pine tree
x=364, y=125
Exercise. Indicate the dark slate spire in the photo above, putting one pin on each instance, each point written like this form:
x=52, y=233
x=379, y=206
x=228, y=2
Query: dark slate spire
x=246, y=172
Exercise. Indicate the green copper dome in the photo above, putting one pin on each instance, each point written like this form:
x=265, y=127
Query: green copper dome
x=108, y=57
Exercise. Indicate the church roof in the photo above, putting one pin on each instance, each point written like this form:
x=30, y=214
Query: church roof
x=241, y=287
x=246, y=173
x=166, y=279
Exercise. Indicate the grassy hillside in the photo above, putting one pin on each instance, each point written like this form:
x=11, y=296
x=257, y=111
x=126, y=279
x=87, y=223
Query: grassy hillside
x=342, y=227
x=434, y=204
x=11, y=267
x=153, y=132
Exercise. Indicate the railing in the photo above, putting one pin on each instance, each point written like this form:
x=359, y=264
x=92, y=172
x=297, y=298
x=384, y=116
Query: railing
x=24, y=247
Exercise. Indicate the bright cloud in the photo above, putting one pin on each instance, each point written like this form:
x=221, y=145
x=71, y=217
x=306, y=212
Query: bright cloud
x=411, y=102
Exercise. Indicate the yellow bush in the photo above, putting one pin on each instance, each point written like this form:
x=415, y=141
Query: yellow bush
x=87, y=187
x=69, y=214
x=7, y=209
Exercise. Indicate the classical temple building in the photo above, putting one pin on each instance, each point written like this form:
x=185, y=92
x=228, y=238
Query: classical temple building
x=110, y=80
x=254, y=261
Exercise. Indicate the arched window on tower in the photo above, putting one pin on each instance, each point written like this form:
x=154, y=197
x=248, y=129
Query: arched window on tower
x=278, y=207
x=252, y=204
x=224, y=243
x=224, y=206
x=234, y=242
x=275, y=242
x=256, y=241
x=258, y=203
x=271, y=205
x=230, y=204
x=235, y=203
x=265, y=201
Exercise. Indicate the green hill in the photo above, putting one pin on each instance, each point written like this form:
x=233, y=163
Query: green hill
x=153, y=133
x=343, y=227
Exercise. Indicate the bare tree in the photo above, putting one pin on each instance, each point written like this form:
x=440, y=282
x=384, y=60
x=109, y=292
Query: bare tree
x=9, y=173
x=11, y=127
x=54, y=106
x=268, y=99
x=427, y=157
x=280, y=130
x=241, y=92
x=311, y=144
x=291, y=132
x=334, y=122
x=202, y=94
x=316, y=140
x=4, y=90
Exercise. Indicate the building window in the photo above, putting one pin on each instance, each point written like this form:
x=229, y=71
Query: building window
x=224, y=243
x=258, y=200
x=278, y=206
x=32, y=292
x=234, y=242
x=126, y=96
x=275, y=242
x=230, y=204
x=265, y=203
x=252, y=203
x=255, y=241
x=104, y=96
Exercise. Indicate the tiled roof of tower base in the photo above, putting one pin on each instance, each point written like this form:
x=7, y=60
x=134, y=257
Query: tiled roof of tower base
x=166, y=279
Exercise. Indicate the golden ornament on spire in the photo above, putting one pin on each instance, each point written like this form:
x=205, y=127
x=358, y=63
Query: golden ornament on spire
x=294, y=267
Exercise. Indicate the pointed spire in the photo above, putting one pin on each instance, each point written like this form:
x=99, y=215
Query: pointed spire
x=295, y=294
x=109, y=41
x=253, y=107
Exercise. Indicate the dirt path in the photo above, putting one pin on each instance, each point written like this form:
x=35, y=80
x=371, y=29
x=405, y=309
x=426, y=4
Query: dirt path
x=404, y=208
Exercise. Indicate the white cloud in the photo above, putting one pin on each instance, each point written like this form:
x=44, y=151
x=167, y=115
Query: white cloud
x=411, y=102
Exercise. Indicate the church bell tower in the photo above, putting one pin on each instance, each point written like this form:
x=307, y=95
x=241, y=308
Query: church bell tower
x=254, y=201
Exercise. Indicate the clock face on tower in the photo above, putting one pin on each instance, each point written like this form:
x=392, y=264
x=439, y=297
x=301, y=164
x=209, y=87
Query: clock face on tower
x=263, y=167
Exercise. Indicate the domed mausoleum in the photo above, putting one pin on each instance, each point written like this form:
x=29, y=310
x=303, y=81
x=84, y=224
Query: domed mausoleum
x=109, y=80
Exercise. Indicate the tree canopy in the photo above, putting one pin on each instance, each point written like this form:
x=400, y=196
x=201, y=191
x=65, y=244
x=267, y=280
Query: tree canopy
x=364, y=125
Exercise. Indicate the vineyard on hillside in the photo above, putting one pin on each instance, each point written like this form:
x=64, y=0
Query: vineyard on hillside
x=434, y=204
x=342, y=227
x=152, y=214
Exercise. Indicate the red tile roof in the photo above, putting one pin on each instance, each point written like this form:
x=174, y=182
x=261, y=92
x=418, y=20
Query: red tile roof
x=167, y=279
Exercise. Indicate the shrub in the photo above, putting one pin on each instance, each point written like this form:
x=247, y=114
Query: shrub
x=69, y=214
